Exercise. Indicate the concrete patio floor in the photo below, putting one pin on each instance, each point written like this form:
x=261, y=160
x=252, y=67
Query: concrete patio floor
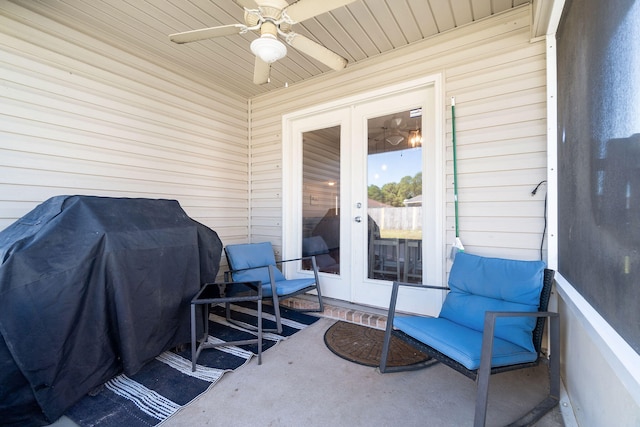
x=302, y=383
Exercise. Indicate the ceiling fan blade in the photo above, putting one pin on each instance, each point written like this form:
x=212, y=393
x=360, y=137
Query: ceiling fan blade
x=247, y=4
x=305, y=9
x=316, y=51
x=206, y=33
x=261, y=72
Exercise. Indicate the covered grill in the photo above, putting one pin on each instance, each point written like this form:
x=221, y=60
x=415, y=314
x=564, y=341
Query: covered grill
x=91, y=287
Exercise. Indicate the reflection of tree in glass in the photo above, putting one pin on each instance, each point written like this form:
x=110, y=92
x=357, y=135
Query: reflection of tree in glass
x=394, y=194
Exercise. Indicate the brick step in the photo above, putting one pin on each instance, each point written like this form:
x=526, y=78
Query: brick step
x=351, y=313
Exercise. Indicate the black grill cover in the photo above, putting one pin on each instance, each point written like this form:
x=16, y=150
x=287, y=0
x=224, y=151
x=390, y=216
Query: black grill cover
x=91, y=287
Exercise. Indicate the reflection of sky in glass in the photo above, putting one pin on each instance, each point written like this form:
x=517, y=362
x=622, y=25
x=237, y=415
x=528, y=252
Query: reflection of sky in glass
x=393, y=166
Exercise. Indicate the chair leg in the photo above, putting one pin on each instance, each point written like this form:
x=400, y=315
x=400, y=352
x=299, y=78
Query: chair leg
x=193, y=338
x=227, y=307
x=482, y=397
x=320, y=302
x=276, y=310
x=484, y=372
x=259, y=303
x=315, y=275
x=554, y=357
x=386, y=344
x=387, y=333
x=274, y=297
x=320, y=308
x=553, y=398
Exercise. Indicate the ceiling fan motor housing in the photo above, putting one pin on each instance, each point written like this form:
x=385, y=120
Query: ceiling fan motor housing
x=268, y=10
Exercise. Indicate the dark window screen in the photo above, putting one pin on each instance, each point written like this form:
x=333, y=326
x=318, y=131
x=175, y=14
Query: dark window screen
x=598, y=47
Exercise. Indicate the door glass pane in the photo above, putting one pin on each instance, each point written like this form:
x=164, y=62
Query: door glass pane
x=321, y=198
x=394, y=188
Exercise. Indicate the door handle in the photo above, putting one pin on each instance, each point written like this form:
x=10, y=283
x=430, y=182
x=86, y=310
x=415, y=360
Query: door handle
x=358, y=219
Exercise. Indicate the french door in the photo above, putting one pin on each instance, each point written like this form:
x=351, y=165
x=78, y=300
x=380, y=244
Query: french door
x=363, y=194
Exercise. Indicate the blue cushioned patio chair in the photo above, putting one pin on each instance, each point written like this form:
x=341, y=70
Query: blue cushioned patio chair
x=491, y=321
x=250, y=262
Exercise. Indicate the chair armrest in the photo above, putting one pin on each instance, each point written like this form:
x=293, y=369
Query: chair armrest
x=295, y=259
x=229, y=273
x=489, y=330
x=396, y=287
x=491, y=316
x=267, y=265
x=392, y=312
x=490, y=325
x=394, y=299
x=421, y=286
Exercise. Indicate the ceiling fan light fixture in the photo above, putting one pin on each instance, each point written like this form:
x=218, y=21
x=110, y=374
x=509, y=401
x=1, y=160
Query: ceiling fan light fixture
x=415, y=138
x=394, y=139
x=268, y=48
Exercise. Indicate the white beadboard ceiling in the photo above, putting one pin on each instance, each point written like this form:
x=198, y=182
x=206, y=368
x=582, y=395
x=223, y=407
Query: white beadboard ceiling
x=361, y=30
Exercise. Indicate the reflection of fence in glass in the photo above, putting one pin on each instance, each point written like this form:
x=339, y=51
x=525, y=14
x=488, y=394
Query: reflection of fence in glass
x=396, y=259
x=401, y=223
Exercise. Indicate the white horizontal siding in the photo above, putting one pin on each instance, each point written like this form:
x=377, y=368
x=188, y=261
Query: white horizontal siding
x=79, y=116
x=497, y=76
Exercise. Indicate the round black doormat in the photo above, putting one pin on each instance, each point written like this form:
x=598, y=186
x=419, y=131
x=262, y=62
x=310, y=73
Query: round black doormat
x=363, y=345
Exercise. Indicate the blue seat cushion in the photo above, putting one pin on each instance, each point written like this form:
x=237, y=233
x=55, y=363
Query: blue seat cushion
x=479, y=284
x=287, y=287
x=283, y=287
x=461, y=343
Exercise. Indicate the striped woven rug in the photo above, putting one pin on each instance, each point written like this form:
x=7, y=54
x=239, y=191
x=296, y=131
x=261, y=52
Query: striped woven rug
x=166, y=384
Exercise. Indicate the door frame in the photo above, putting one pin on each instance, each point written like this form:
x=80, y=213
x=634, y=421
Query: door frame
x=292, y=196
x=376, y=292
x=292, y=186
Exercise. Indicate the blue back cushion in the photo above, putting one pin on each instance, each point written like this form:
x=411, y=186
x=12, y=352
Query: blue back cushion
x=251, y=255
x=480, y=284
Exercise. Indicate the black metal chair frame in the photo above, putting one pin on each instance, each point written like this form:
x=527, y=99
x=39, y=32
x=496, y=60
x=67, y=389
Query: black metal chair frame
x=228, y=276
x=482, y=374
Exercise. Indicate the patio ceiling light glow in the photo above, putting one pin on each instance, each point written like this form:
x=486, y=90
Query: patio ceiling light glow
x=415, y=138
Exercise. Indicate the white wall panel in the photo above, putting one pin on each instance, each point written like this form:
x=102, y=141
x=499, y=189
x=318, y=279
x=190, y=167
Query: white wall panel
x=78, y=116
x=498, y=78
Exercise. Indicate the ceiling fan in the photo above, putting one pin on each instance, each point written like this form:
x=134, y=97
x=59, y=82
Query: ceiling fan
x=272, y=18
x=396, y=128
x=394, y=131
